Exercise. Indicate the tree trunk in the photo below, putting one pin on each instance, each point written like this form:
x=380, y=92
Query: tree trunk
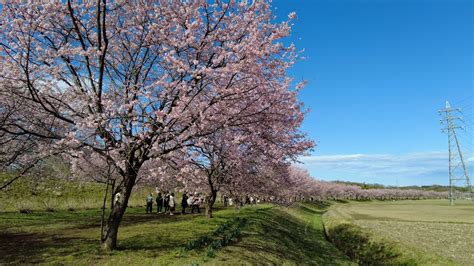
x=102, y=218
x=112, y=194
x=210, y=199
x=109, y=239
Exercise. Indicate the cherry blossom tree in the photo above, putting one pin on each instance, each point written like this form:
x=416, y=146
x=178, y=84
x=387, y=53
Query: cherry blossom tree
x=303, y=185
x=248, y=143
x=134, y=81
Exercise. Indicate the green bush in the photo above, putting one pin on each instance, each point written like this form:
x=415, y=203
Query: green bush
x=210, y=253
x=221, y=237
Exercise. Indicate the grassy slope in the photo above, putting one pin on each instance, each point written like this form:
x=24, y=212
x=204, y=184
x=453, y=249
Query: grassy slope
x=58, y=194
x=284, y=236
x=430, y=231
x=272, y=235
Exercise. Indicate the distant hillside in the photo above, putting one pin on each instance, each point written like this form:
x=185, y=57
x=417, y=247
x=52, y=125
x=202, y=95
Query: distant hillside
x=438, y=188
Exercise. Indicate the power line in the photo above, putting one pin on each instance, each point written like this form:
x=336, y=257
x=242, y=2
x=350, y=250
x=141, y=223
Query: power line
x=467, y=99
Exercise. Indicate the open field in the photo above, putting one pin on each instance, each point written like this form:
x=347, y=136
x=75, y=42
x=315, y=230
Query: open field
x=63, y=227
x=271, y=235
x=431, y=227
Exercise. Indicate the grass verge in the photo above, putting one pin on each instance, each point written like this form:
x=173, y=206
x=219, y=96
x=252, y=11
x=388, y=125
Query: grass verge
x=263, y=234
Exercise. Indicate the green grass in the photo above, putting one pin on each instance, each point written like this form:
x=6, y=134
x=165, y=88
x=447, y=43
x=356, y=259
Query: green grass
x=426, y=231
x=284, y=236
x=270, y=235
x=58, y=194
x=412, y=211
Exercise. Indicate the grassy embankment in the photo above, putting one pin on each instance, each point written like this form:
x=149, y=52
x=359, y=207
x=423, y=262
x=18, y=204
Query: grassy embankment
x=425, y=232
x=269, y=234
x=50, y=194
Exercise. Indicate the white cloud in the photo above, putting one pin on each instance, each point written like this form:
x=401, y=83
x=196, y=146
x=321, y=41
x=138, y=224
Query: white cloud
x=412, y=168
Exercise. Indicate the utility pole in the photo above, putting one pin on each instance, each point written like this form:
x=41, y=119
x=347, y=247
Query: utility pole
x=457, y=166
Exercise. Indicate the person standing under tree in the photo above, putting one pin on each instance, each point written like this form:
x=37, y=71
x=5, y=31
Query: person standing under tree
x=190, y=200
x=149, y=203
x=172, y=204
x=195, y=203
x=159, y=203
x=226, y=200
x=166, y=202
x=117, y=198
x=184, y=203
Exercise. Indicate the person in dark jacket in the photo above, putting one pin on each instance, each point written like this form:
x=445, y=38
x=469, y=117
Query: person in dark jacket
x=149, y=203
x=159, y=203
x=184, y=203
x=247, y=200
x=226, y=201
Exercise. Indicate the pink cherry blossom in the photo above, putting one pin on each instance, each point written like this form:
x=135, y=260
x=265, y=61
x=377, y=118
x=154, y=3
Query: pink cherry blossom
x=124, y=84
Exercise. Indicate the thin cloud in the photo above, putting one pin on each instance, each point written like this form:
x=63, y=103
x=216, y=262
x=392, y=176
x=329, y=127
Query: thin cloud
x=412, y=168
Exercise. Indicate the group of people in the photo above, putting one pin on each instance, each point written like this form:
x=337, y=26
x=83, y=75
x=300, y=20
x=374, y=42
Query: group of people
x=240, y=202
x=166, y=202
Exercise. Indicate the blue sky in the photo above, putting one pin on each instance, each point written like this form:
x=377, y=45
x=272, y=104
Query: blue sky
x=378, y=71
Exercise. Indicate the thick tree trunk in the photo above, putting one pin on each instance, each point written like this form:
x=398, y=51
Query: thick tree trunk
x=109, y=239
x=210, y=199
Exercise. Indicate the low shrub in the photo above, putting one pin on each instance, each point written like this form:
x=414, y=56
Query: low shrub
x=50, y=209
x=23, y=206
x=24, y=211
x=201, y=241
x=49, y=204
x=224, y=235
x=210, y=253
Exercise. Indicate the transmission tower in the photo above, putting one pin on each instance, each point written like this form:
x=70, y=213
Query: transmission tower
x=458, y=172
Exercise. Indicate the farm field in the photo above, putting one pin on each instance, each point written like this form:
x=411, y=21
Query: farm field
x=430, y=226
x=271, y=235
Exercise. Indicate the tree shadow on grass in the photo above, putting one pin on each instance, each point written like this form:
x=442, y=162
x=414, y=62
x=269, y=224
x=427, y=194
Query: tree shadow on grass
x=137, y=218
x=81, y=220
x=19, y=248
x=271, y=236
x=132, y=219
x=49, y=243
x=178, y=232
x=275, y=236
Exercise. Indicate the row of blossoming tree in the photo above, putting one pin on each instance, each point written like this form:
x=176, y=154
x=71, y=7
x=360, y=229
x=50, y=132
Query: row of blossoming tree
x=306, y=187
x=186, y=94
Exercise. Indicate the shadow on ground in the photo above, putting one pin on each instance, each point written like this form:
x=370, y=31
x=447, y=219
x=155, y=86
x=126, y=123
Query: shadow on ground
x=39, y=238
x=280, y=236
x=36, y=248
x=273, y=235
